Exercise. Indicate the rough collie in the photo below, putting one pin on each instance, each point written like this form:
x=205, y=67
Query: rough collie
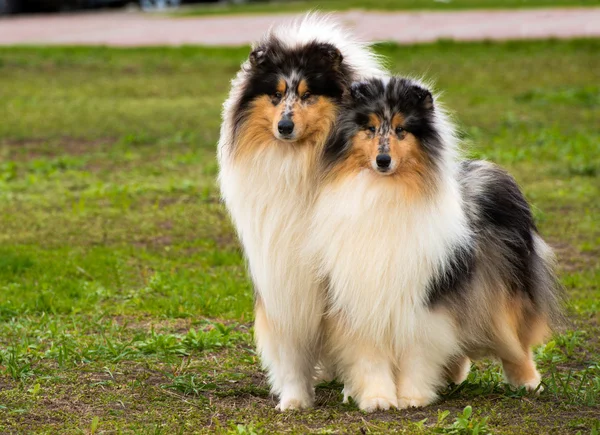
x=280, y=111
x=428, y=260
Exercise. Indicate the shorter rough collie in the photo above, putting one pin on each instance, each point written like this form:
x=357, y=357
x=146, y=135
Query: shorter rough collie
x=429, y=260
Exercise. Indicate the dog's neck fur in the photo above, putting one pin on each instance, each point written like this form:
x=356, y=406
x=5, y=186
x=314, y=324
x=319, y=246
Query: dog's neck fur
x=391, y=233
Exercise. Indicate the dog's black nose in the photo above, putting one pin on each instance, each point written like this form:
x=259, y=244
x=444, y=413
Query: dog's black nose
x=383, y=161
x=285, y=126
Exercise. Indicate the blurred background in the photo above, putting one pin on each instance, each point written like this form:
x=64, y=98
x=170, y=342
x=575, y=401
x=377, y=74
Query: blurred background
x=220, y=6
x=12, y=7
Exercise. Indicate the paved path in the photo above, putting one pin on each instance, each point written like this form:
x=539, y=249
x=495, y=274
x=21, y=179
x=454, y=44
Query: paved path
x=136, y=29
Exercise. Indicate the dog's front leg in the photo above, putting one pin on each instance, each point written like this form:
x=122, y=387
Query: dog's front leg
x=289, y=357
x=365, y=369
x=422, y=366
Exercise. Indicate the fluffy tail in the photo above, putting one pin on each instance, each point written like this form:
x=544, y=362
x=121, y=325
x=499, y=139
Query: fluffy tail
x=548, y=292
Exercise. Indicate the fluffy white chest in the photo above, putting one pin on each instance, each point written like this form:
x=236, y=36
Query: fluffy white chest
x=269, y=198
x=379, y=252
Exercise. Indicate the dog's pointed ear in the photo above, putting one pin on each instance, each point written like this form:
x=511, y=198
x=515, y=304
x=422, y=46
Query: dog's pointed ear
x=258, y=56
x=359, y=91
x=425, y=98
x=333, y=54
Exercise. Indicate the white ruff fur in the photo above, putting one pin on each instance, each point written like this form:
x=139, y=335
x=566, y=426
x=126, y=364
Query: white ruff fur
x=379, y=252
x=269, y=197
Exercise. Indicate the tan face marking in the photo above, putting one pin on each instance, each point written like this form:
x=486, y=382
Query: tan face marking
x=302, y=88
x=397, y=121
x=255, y=133
x=309, y=117
x=313, y=118
x=281, y=86
x=409, y=163
x=309, y=113
x=374, y=121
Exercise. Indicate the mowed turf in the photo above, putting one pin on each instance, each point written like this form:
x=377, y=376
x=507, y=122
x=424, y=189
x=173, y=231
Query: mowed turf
x=124, y=302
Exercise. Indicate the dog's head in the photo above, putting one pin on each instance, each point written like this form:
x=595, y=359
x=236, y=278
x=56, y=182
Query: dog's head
x=389, y=122
x=387, y=127
x=292, y=94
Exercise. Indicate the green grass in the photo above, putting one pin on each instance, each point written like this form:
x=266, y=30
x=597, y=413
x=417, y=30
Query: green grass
x=124, y=304
x=283, y=6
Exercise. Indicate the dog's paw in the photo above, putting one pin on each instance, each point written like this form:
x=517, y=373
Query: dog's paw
x=346, y=394
x=295, y=398
x=415, y=401
x=292, y=403
x=411, y=395
x=531, y=384
x=371, y=404
x=534, y=385
x=458, y=371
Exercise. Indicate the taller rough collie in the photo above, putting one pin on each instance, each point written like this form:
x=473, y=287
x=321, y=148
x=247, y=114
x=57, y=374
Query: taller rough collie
x=429, y=260
x=279, y=113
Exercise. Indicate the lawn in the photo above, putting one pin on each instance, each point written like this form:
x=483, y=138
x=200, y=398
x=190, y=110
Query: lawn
x=279, y=6
x=124, y=302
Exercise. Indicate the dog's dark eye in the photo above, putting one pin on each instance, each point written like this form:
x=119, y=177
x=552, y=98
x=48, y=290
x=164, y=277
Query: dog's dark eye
x=305, y=96
x=371, y=128
x=399, y=130
x=276, y=98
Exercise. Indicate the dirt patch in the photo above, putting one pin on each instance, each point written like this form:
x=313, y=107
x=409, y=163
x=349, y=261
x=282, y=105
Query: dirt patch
x=154, y=242
x=226, y=240
x=570, y=259
x=166, y=225
x=7, y=384
x=30, y=149
x=148, y=323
